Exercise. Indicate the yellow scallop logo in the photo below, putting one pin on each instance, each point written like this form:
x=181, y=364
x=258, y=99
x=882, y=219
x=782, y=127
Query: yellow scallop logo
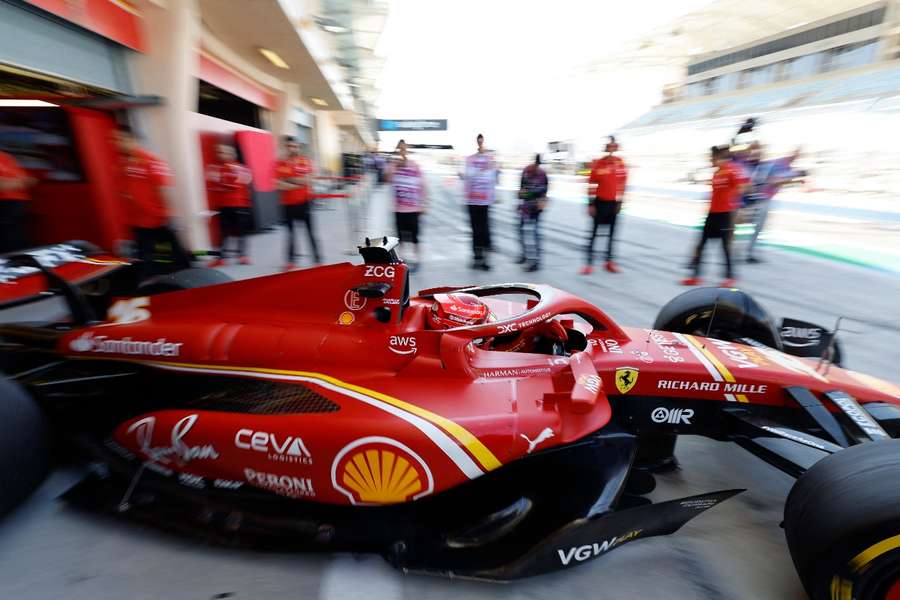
x=379, y=470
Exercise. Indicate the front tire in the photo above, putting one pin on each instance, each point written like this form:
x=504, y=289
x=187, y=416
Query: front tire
x=656, y=452
x=24, y=445
x=734, y=314
x=842, y=524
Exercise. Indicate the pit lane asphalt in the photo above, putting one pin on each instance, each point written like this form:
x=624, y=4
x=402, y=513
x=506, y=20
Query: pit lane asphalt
x=733, y=551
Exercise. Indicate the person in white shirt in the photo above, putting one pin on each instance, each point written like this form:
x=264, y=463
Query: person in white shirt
x=480, y=179
x=408, y=182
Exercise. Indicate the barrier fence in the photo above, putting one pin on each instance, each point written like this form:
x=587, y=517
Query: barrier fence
x=355, y=193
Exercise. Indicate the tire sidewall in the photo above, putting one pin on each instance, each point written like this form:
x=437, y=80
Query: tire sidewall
x=736, y=313
x=24, y=445
x=842, y=506
x=185, y=279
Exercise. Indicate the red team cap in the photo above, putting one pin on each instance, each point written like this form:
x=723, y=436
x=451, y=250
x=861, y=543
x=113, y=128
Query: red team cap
x=456, y=310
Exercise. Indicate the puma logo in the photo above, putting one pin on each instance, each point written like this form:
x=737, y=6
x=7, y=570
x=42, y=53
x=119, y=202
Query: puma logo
x=543, y=436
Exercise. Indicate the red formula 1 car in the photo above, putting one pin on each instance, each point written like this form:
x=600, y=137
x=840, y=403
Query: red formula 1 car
x=88, y=278
x=318, y=409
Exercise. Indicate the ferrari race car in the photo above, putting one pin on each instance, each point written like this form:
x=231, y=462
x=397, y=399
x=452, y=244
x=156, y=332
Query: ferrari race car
x=321, y=410
x=87, y=278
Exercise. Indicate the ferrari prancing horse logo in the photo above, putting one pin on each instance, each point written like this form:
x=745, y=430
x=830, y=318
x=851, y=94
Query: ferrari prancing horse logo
x=626, y=377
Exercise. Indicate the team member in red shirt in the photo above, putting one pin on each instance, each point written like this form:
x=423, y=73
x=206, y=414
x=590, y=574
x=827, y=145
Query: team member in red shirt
x=143, y=177
x=14, y=184
x=228, y=183
x=293, y=177
x=728, y=183
x=606, y=186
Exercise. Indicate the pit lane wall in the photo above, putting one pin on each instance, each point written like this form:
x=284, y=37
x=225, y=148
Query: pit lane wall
x=157, y=49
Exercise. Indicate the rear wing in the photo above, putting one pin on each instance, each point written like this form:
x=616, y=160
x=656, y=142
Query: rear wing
x=30, y=275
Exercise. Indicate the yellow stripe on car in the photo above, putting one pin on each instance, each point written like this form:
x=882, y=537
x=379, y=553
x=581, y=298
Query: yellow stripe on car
x=465, y=438
x=712, y=358
x=720, y=367
x=97, y=261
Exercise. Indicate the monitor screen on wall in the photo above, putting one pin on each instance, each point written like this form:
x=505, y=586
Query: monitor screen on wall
x=41, y=141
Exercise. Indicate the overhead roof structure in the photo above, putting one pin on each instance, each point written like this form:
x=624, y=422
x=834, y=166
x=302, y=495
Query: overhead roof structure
x=356, y=26
x=329, y=52
x=724, y=24
x=264, y=24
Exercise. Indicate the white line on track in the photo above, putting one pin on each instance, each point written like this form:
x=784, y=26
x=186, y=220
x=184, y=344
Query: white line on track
x=349, y=577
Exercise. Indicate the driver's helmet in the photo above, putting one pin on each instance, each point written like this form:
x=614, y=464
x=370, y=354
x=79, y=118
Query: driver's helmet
x=456, y=310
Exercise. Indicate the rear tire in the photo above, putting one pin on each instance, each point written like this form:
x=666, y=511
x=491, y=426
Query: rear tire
x=185, y=279
x=842, y=524
x=24, y=445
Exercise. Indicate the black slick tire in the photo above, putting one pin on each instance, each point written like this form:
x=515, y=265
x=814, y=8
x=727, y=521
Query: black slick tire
x=185, y=279
x=24, y=445
x=842, y=524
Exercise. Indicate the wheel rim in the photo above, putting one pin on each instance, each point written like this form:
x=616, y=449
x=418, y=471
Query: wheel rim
x=893, y=592
x=879, y=579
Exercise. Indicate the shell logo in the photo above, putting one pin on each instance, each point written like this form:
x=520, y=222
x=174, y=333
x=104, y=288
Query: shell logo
x=379, y=470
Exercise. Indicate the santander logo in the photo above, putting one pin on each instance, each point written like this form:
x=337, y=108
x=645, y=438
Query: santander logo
x=90, y=342
x=83, y=343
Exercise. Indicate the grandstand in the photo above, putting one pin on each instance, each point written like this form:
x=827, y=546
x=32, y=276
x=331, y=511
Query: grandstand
x=829, y=83
x=878, y=85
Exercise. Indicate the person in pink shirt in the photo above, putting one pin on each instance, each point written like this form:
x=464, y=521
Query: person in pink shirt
x=406, y=178
x=480, y=179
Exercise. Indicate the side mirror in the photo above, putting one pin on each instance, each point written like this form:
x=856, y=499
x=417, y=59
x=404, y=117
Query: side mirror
x=373, y=290
x=579, y=387
x=809, y=340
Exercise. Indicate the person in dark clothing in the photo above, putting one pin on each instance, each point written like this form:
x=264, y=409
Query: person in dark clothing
x=533, y=196
x=14, y=198
x=728, y=183
x=606, y=187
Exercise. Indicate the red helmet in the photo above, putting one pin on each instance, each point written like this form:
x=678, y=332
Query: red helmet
x=456, y=310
